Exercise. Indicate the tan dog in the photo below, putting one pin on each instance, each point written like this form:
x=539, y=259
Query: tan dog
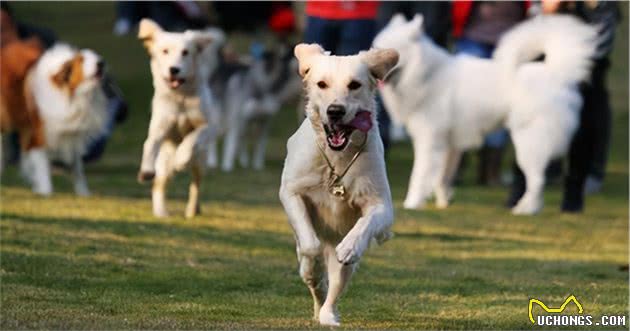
x=179, y=131
x=334, y=185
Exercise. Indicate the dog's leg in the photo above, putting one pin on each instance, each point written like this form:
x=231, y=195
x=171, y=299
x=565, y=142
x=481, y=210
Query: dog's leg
x=230, y=147
x=313, y=275
x=419, y=183
x=443, y=191
x=339, y=275
x=300, y=221
x=78, y=174
x=532, y=156
x=163, y=171
x=243, y=153
x=195, y=143
x=261, y=145
x=192, y=207
x=376, y=221
x=532, y=200
x=36, y=167
x=158, y=128
x=213, y=160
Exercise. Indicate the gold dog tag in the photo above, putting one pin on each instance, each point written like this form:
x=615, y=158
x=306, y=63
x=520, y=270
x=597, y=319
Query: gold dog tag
x=338, y=191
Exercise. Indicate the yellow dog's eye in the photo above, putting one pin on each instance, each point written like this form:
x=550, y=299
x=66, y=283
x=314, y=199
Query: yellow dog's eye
x=185, y=52
x=165, y=51
x=322, y=84
x=354, y=85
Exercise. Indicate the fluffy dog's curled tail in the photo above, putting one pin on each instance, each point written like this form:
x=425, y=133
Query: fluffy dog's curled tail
x=568, y=46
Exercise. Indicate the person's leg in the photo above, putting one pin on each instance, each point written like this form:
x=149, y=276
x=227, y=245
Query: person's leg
x=434, y=23
x=491, y=156
x=518, y=186
x=471, y=47
x=355, y=36
x=127, y=15
x=601, y=126
x=321, y=31
x=580, y=155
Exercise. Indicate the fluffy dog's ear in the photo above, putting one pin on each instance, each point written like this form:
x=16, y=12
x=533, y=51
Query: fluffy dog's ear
x=380, y=61
x=304, y=53
x=397, y=20
x=417, y=25
x=146, y=32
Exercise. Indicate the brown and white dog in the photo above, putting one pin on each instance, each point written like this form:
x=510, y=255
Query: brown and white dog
x=17, y=107
x=58, y=109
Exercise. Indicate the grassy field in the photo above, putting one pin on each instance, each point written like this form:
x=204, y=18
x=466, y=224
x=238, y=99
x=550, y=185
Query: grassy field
x=105, y=262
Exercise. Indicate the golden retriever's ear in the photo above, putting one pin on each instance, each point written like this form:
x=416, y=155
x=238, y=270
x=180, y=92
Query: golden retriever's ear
x=304, y=53
x=380, y=61
x=146, y=32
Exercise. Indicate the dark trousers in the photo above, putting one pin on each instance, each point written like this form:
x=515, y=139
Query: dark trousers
x=341, y=37
x=589, y=149
x=588, y=152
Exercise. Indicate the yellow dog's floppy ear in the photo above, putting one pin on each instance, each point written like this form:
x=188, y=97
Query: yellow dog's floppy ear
x=304, y=54
x=380, y=61
x=146, y=32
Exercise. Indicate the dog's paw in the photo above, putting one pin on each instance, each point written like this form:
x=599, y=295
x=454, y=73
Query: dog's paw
x=349, y=251
x=441, y=203
x=527, y=206
x=83, y=192
x=193, y=211
x=328, y=317
x=413, y=204
x=44, y=192
x=160, y=213
x=145, y=176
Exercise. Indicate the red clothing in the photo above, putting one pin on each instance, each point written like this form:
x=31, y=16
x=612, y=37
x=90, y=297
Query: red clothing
x=460, y=13
x=342, y=10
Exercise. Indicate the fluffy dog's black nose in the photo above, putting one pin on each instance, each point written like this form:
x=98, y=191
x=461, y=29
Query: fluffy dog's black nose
x=335, y=112
x=100, y=67
x=173, y=70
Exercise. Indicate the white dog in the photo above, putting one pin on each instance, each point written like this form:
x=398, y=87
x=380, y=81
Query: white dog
x=334, y=186
x=250, y=95
x=449, y=103
x=183, y=113
x=66, y=88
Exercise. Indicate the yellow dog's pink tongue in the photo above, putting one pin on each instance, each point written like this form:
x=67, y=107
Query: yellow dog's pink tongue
x=362, y=121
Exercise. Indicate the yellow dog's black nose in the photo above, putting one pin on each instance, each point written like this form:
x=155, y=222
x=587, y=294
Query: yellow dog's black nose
x=335, y=112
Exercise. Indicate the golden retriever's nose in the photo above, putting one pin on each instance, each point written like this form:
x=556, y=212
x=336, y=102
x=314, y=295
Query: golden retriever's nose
x=335, y=112
x=173, y=70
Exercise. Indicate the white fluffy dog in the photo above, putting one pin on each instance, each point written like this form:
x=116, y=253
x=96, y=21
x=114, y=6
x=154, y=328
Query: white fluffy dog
x=334, y=185
x=449, y=103
x=66, y=88
x=182, y=110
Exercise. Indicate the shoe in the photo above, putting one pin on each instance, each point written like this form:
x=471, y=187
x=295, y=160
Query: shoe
x=592, y=185
x=122, y=27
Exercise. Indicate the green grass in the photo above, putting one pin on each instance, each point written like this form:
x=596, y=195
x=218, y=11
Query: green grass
x=104, y=262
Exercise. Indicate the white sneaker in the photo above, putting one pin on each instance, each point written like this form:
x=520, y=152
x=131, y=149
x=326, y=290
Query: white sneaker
x=592, y=185
x=122, y=27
